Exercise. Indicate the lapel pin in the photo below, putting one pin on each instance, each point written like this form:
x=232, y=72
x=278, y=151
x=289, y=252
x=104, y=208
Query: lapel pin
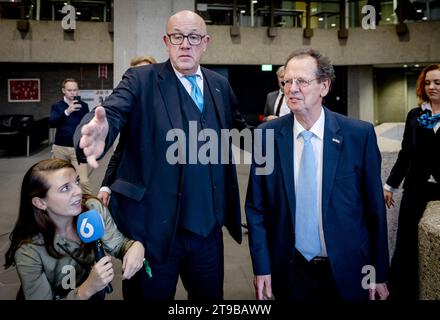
x=217, y=89
x=336, y=140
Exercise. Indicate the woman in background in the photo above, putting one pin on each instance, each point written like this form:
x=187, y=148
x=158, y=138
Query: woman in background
x=417, y=163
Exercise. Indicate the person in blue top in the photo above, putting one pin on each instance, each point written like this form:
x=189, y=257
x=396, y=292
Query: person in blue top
x=65, y=115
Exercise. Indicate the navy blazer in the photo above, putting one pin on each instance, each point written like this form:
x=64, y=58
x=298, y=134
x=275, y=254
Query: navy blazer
x=353, y=209
x=418, y=157
x=147, y=189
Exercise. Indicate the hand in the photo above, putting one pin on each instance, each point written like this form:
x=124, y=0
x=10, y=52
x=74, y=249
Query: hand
x=93, y=137
x=73, y=107
x=379, y=293
x=100, y=276
x=268, y=118
x=263, y=287
x=133, y=260
x=104, y=197
x=389, y=201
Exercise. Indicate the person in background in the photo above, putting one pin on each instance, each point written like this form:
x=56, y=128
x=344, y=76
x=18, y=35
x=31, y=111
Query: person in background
x=109, y=176
x=418, y=164
x=44, y=241
x=175, y=208
x=276, y=105
x=318, y=219
x=65, y=115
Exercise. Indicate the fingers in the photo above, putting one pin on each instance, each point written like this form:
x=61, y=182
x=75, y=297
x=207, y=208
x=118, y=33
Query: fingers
x=104, y=197
x=371, y=294
x=388, y=196
x=268, y=291
x=91, y=160
x=130, y=269
x=102, y=273
x=259, y=285
x=100, y=115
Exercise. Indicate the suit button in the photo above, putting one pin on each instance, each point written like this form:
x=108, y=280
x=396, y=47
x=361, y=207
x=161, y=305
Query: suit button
x=179, y=194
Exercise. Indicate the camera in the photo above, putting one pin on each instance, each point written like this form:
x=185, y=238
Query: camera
x=76, y=99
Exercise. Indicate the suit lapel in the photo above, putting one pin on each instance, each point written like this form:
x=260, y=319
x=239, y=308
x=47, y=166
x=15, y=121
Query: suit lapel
x=331, y=153
x=168, y=86
x=284, y=142
x=210, y=85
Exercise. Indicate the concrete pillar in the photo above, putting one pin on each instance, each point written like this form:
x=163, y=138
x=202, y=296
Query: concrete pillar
x=360, y=93
x=139, y=26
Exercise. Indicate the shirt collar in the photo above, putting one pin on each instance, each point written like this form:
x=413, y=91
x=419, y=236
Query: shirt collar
x=317, y=129
x=65, y=100
x=426, y=106
x=181, y=75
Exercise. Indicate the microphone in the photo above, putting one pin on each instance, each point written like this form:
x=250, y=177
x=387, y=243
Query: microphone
x=90, y=228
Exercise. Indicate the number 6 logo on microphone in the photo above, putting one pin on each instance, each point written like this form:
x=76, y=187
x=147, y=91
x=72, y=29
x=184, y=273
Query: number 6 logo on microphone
x=90, y=226
x=86, y=229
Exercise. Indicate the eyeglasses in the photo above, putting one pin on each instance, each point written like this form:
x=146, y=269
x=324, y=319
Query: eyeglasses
x=194, y=39
x=300, y=82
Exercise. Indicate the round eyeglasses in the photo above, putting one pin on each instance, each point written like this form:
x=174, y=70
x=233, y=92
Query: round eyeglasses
x=194, y=39
x=300, y=82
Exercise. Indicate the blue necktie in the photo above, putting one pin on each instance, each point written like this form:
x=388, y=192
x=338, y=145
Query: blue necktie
x=306, y=215
x=196, y=93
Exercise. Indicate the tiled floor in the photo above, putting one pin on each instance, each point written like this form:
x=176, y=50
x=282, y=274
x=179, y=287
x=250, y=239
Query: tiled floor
x=238, y=269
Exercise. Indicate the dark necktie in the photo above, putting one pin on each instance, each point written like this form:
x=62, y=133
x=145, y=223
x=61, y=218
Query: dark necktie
x=280, y=102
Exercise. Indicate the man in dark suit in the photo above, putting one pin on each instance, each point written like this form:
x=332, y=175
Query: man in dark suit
x=321, y=236
x=176, y=210
x=109, y=176
x=275, y=103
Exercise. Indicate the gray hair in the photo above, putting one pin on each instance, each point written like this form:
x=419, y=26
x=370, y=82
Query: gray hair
x=325, y=70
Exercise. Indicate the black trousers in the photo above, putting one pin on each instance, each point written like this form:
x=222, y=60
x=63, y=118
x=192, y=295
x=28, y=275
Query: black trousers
x=197, y=260
x=404, y=274
x=311, y=280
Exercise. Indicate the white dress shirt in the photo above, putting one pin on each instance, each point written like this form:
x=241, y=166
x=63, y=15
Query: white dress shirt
x=185, y=82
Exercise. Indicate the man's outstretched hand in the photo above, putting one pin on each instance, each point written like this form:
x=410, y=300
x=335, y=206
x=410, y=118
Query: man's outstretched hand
x=93, y=137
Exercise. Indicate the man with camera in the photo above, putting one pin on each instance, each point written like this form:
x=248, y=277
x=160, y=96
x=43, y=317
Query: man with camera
x=65, y=115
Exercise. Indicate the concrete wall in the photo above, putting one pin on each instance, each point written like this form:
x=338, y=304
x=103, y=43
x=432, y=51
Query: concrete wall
x=360, y=93
x=391, y=95
x=363, y=47
x=429, y=252
x=138, y=29
x=46, y=41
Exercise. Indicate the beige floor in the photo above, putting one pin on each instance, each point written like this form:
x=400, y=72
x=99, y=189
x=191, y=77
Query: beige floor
x=238, y=269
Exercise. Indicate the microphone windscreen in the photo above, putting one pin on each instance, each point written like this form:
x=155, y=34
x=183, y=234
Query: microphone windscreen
x=90, y=226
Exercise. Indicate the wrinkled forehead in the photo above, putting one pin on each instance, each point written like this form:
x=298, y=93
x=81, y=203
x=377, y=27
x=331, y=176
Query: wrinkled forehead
x=300, y=67
x=186, y=24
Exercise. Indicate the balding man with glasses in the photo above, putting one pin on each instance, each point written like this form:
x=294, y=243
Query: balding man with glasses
x=176, y=210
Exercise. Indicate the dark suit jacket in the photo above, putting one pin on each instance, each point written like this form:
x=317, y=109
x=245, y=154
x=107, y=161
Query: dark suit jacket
x=110, y=172
x=269, y=108
x=418, y=158
x=353, y=209
x=147, y=189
